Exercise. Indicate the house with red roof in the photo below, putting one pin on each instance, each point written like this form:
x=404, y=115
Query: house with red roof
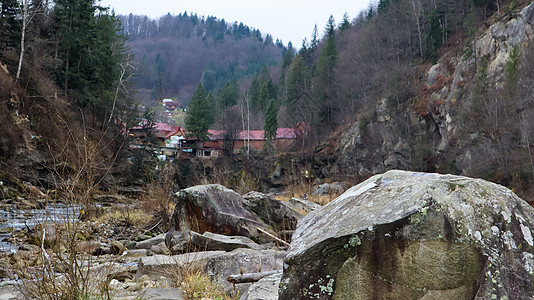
x=287, y=139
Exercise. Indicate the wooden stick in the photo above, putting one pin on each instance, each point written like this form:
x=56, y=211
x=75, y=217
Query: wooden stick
x=274, y=237
x=250, y=277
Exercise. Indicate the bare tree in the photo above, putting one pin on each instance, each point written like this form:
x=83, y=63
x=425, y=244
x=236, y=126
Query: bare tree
x=27, y=17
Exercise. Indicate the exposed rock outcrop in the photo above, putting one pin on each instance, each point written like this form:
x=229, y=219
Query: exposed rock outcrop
x=388, y=138
x=405, y=235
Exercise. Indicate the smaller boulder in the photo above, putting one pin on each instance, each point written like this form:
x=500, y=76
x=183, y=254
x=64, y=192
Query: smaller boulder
x=117, y=248
x=265, y=289
x=214, y=242
x=178, y=242
x=240, y=261
x=327, y=189
x=275, y=213
x=147, y=244
x=160, y=248
x=303, y=205
x=157, y=265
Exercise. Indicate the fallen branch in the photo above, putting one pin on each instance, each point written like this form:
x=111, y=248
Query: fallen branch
x=274, y=237
x=250, y=277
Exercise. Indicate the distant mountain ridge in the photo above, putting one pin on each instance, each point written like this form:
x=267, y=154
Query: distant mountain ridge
x=196, y=49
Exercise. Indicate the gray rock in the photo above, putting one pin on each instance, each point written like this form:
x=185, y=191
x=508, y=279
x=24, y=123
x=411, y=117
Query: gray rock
x=213, y=242
x=163, y=294
x=275, y=213
x=178, y=242
x=88, y=247
x=330, y=188
x=160, y=248
x=405, y=235
x=158, y=265
x=117, y=248
x=242, y=261
x=216, y=209
x=265, y=289
x=136, y=253
x=303, y=205
x=130, y=245
x=147, y=244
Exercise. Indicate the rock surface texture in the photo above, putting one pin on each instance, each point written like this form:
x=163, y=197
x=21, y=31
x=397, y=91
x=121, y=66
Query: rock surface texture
x=265, y=289
x=405, y=235
x=275, y=213
x=213, y=208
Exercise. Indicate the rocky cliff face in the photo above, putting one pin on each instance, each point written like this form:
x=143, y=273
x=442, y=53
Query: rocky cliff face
x=424, y=134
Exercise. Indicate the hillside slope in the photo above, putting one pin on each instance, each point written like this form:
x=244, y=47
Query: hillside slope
x=470, y=114
x=178, y=52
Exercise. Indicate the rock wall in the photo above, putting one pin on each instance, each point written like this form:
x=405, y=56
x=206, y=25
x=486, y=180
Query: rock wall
x=397, y=137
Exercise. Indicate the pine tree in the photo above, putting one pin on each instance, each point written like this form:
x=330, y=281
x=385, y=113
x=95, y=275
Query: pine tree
x=91, y=52
x=229, y=94
x=158, y=77
x=271, y=125
x=9, y=23
x=345, y=24
x=324, y=79
x=199, y=115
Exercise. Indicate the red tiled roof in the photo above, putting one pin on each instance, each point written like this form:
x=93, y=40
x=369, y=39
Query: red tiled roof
x=286, y=133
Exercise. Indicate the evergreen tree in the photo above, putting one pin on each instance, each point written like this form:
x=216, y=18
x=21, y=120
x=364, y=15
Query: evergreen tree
x=229, y=94
x=9, y=23
x=324, y=78
x=511, y=73
x=271, y=125
x=158, y=77
x=330, y=29
x=315, y=39
x=91, y=52
x=295, y=84
x=199, y=115
x=345, y=24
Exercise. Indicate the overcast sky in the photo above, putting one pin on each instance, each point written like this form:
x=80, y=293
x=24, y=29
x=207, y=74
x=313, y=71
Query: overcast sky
x=284, y=19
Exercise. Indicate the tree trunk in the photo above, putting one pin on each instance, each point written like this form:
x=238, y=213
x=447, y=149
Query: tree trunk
x=25, y=13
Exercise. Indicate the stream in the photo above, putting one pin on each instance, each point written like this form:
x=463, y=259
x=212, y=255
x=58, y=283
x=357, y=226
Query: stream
x=19, y=219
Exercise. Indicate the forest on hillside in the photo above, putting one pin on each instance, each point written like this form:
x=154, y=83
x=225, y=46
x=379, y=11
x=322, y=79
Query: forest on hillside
x=176, y=52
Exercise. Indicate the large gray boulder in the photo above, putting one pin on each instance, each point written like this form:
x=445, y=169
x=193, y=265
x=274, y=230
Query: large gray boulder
x=405, y=235
x=213, y=208
x=275, y=213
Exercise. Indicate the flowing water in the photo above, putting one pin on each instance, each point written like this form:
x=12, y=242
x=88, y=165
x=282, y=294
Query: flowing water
x=20, y=219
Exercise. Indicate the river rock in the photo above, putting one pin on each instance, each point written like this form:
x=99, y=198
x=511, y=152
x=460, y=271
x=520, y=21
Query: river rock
x=334, y=188
x=213, y=242
x=265, y=289
x=163, y=294
x=213, y=208
x=406, y=235
x=160, y=248
x=272, y=212
x=242, y=261
x=157, y=265
x=147, y=244
x=303, y=205
x=117, y=248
